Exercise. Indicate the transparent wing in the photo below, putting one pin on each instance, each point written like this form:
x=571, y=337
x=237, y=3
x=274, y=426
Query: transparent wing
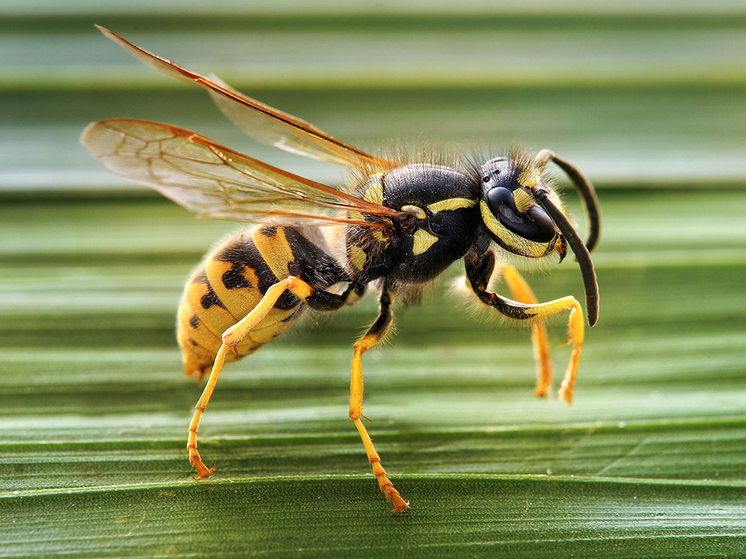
x=217, y=182
x=262, y=122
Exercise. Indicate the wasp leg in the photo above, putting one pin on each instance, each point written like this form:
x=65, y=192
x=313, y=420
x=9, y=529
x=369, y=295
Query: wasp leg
x=479, y=269
x=540, y=341
x=375, y=334
x=233, y=336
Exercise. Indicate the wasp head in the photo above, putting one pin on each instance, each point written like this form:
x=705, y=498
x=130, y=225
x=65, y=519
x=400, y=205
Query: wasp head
x=524, y=215
x=512, y=215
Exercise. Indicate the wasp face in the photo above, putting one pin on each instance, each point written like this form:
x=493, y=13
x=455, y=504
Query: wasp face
x=513, y=217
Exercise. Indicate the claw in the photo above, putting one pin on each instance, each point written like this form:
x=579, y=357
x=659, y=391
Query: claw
x=396, y=499
x=203, y=472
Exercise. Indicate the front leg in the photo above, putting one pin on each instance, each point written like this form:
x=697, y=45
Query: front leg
x=522, y=293
x=479, y=269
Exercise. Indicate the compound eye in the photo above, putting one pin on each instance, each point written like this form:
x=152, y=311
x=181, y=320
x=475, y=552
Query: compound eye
x=534, y=224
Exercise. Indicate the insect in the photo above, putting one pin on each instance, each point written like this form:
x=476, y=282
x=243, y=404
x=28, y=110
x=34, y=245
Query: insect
x=396, y=226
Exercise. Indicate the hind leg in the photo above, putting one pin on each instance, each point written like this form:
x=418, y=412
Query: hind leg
x=233, y=336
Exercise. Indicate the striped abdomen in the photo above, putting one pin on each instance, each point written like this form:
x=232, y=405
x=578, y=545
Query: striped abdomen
x=233, y=279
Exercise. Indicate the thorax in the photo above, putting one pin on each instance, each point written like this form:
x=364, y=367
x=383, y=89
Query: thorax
x=441, y=222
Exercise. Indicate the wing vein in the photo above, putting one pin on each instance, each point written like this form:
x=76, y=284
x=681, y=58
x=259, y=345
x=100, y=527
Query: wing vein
x=215, y=181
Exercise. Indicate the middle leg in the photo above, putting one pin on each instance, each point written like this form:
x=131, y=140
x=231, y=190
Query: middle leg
x=371, y=338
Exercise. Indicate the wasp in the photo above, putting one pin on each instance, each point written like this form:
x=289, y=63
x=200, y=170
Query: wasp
x=397, y=225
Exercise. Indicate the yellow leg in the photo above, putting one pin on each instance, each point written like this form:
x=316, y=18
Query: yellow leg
x=194, y=457
x=523, y=294
x=231, y=338
x=479, y=268
x=374, y=335
x=576, y=336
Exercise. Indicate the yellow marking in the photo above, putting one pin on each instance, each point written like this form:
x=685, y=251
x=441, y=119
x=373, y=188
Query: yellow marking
x=188, y=348
x=378, y=236
x=423, y=241
x=416, y=211
x=357, y=216
x=206, y=339
x=529, y=178
x=216, y=318
x=241, y=301
x=374, y=194
x=523, y=200
x=358, y=257
x=451, y=204
x=233, y=335
x=275, y=250
x=523, y=246
x=268, y=334
x=237, y=301
x=197, y=360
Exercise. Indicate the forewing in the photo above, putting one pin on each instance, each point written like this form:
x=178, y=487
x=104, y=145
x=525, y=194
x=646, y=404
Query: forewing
x=215, y=181
x=262, y=122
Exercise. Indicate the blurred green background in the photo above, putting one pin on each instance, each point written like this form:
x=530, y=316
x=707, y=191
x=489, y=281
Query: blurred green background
x=649, y=99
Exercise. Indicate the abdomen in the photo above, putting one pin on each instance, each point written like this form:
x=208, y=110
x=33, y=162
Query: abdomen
x=223, y=289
